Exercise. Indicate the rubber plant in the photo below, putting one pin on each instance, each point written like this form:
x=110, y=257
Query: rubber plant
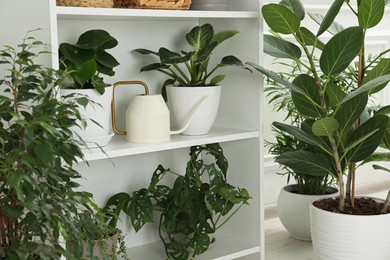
x=192, y=209
x=191, y=67
x=40, y=203
x=88, y=58
x=337, y=122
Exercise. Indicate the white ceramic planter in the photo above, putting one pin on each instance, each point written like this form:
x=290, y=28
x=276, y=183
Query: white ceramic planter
x=343, y=237
x=182, y=101
x=294, y=210
x=95, y=135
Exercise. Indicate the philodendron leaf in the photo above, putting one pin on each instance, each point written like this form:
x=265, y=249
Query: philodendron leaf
x=201, y=243
x=334, y=28
x=145, y=52
x=309, y=38
x=305, y=162
x=200, y=36
x=275, y=77
x=330, y=16
x=308, y=104
x=325, y=126
x=216, y=80
x=280, y=48
x=141, y=209
x=379, y=167
x=233, y=61
x=340, y=51
x=280, y=18
x=295, y=6
x=370, y=13
x=224, y=35
x=382, y=68
x=170, y=57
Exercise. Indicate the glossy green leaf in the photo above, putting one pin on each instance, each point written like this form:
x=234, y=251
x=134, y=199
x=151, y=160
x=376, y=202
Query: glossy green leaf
x=370, y=13
x=334, y=28
x=98, y=84
x=325, y=127
x=204, y=53
x=106, y=59
x=375, y=128
x=309, y=38
x=145, y=52
x=305, y=162
x=76, y=55
x=308, y=104
x=141, y=209
x=275, y=77
x=280, y=18
x=334, y=93
x=233, y=61
x=280, y=48
x=216, y=80
x=350, y=111
x=200, y=36
x=295, y=6
x=96, y=39
x=383, y=110
x=330, y=16
x=170, y=57
x=366, y=87
x=44, y=152
x=382, y=68
x=224, y=35
x=84, y=72
x=341, y=50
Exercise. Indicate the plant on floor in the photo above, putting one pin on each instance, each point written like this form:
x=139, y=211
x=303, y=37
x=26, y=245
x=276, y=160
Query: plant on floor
x=191, y=68
x=336, y=121
x=195, y=207
x=87, y=59
x=39, y=204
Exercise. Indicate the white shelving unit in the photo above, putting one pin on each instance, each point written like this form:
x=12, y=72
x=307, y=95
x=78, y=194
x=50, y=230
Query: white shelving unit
x=125, y=166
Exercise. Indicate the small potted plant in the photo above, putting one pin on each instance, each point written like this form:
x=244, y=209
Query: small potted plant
x=86, y=61
x=190, y=78
x=39, y=205
x=192, y=209
x=337, y=120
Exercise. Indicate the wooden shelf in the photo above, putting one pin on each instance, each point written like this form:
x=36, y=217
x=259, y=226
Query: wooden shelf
x=126, y=14
x=118, y=145
x=224, y=248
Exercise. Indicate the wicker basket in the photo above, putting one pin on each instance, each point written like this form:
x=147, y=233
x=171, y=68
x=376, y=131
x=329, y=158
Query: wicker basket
x=154, y=4
x=87, y=3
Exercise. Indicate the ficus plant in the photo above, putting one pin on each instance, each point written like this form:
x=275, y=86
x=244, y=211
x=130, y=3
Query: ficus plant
x=197, y=204
x=87, y=59
x=40, y=204
x=192, y=67
x=337, y=122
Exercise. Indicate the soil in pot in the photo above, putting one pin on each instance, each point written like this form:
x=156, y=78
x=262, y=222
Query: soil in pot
x=363, y=206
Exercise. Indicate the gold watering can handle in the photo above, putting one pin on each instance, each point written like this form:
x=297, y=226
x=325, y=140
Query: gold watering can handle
x=119, y=83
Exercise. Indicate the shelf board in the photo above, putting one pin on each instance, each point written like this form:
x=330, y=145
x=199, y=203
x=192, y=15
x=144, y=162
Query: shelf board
x=224, y=248
x=118, y=145
x=126, y=14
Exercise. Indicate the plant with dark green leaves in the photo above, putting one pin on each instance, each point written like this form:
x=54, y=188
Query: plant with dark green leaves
x=191, y=68
x=87, y=59
x=39, y=204
x=195, y=207
x=336, y=121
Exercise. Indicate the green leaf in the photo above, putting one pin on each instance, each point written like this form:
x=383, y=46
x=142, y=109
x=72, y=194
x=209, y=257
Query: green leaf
x=334, y=28
x=84, y=72
x=280, y=18
x=382, y=68
x=378, y=167
x=204, y=53
x=305, y=162
x=98, y=84
x=334, y=93
x=325, y=127
x=170, y=57
x=368, y=86
x=370, y=13
x=44, y=152
x=76, y=55
x=201, y=243
x=376, y=125
x=224, y=35
x=330, y=16
x=233, y=61
x=96, y=39
x=280, y=48
x=383, y=110
x=141, y=209
x=200, y=36
x=308, y=104
x=306, y=36
x=216, y=80
x=377, y=157
x=106, y=59
x=145, y=52
x=295, y=6
x=341, y=50
x=275, y=77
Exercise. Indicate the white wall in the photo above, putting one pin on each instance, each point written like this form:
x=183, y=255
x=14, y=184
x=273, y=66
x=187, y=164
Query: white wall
x=378, y=39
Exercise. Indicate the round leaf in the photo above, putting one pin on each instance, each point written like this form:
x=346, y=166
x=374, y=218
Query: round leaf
x=295, y=6
x=280, y=18
x=325, y=126
x=370, y=13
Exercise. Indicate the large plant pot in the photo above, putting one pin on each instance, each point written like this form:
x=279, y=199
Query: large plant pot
x=182, y=101
x=294, y=210
x=99, y=134
x=340, y=236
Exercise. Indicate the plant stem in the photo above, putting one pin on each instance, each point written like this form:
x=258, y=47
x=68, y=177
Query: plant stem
x=339, y=173
x=227, y=219
x=386, y=204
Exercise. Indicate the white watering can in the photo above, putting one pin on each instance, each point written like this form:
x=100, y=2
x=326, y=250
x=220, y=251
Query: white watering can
x=147, y=117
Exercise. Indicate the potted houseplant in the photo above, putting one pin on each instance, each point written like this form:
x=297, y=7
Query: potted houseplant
x=337, y=122
x=192, y=209
x=85, y=61
x=195, y=81
x=39, y=203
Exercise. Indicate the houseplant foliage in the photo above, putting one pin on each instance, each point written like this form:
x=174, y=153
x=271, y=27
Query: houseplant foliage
x=193, y=208
x=192, y=68
x=337, y=122
x=39, y=206
x=88, y=59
